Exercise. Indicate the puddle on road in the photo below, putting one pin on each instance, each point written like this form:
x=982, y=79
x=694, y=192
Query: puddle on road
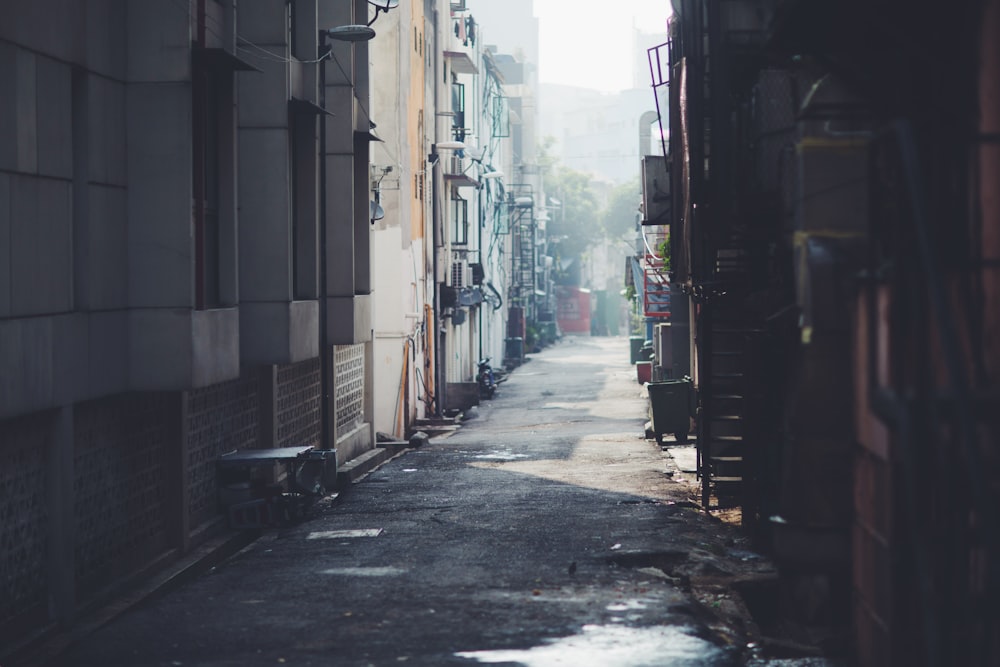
x=498, y=455
x=626, y=605
x=365, y=571
x=602, y=645
x=340, y=534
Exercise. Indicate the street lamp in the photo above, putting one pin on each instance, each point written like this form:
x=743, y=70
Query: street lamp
x=350, y=33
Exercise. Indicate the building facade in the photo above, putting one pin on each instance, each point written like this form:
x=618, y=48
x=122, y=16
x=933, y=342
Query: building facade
x=833, y=234
x=442, y=246
x=184, y=236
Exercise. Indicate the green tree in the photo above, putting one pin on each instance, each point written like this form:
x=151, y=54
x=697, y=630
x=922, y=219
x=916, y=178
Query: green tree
x=579, y=221
x=619, y=216
x=574, y=225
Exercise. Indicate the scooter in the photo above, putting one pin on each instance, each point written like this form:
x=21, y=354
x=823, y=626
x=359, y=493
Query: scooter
x=485, y=379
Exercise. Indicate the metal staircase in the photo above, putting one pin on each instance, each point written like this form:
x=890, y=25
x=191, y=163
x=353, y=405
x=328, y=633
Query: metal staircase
x=522, y=286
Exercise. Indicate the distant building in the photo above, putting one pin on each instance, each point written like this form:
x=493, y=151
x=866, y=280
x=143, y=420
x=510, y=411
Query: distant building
x=596, y=133
x=442, y=253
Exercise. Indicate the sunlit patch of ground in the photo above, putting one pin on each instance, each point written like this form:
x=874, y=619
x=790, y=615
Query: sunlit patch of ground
x=602, y=645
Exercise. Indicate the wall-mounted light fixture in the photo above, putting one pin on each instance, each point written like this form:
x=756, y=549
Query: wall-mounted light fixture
x=382, y=6
x=349, y=33
x=444, y=146
x=375, y=210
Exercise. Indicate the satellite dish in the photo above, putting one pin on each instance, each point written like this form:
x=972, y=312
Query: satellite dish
x=382, y=6
x=375, y=211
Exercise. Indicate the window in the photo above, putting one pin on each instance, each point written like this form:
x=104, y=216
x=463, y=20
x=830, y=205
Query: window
x=459, y=220
x=213, y=175
x=458, y=108
x=207, y=109
x=303, y=174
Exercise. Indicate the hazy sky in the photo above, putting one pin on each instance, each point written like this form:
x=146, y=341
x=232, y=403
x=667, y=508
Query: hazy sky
x=588, y=43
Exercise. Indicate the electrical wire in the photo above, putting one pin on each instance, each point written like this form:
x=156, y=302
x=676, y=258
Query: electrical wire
x=218, y=29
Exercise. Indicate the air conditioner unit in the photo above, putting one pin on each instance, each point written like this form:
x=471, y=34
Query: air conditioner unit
x=478, y=273
x=656, y=202
x=460, y=274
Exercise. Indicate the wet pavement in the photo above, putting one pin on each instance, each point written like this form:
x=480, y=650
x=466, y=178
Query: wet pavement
x=546, y=531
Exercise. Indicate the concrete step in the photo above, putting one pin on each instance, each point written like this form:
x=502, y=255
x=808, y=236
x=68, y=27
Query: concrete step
x=360, y=466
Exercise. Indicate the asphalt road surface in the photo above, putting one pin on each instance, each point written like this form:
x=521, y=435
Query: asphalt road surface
x=546, y=531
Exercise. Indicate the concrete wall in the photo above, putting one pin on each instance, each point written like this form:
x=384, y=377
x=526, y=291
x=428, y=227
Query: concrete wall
x=400, y=72
x=106, y=348
x=62, y=204
x=278, y=212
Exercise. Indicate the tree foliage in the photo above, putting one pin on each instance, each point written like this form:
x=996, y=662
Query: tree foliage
x=618, y=218
x=574, y=225
x=579, y=221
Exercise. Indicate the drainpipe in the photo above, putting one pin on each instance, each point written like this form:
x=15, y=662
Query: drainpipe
x=482, y=263
x=324, y=352
x=435, y=240
x=439, y=341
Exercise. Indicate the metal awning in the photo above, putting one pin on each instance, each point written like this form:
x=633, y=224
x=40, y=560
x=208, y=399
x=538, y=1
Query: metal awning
x=222, y=60
x=307, y=107
x=461, y=180
x=460, y=62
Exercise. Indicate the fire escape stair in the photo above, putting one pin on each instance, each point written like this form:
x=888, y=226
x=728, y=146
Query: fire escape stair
x=726, y=447
x=655, y=288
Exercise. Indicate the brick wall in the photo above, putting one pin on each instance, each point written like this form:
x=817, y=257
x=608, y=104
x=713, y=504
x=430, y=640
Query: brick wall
x=121, y=486
x=23, y=526
x=297, y=398
x=220, y=418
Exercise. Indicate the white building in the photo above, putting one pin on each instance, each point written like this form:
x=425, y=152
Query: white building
x=440, y=248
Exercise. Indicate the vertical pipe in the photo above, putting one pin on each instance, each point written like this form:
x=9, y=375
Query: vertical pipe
x=479, y=246
x=200, y=34
x=435, y=212
x=324, y=349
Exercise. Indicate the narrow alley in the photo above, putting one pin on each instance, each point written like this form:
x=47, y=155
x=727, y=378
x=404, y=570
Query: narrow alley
x=546, y=531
